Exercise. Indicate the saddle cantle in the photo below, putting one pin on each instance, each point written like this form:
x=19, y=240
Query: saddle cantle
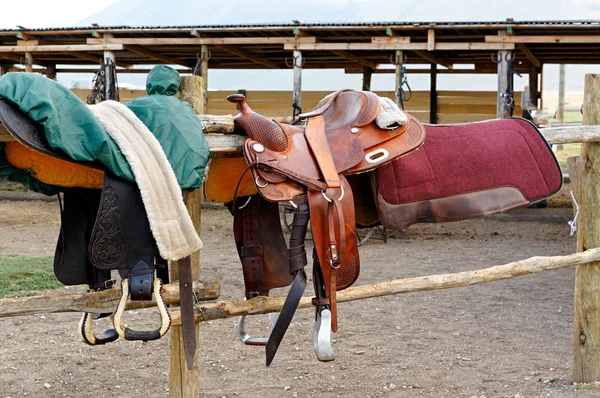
x=307, y=166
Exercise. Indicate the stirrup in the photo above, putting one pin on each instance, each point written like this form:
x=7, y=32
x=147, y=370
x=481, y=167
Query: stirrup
x=129, y=334
x=322, y=336
x=86, y=330
x=249, y=340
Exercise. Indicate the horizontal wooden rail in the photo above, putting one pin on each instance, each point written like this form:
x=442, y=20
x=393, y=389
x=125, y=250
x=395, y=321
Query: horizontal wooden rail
x=264, y=305
x=226, y=144
x=97, y=302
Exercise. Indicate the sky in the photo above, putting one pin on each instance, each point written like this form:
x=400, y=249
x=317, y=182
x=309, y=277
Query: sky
x=45, y=13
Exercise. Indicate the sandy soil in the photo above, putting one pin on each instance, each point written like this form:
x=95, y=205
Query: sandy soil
x=504, y=339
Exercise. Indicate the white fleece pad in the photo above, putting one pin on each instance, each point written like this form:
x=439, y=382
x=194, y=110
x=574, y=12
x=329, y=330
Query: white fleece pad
x=390, y=116
x=170, y=221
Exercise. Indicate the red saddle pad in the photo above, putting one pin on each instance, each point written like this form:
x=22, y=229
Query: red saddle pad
x=467, y=170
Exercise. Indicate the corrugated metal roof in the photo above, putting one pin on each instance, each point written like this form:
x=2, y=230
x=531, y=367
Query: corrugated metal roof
x=581, y=22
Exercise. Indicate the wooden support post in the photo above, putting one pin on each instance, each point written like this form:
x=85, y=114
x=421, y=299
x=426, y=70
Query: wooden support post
x=3, y=70
x=541, y=88
x=586, y=361
x=533, y=85
x=399, y=77
x=28, y=62
x=433, y=95
x=204, y=56
x=51, y=71
x=184, y=383
x=560, y=112
x=367, y=74
x=110, y=89
x=297, y=95
x=505, y=88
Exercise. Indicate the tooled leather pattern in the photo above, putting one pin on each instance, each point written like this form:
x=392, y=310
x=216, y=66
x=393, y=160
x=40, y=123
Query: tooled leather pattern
x=107, y=249
x=413, y=132
x=347, y=276
x=263, y=130
x=353, y=157
x=371, y=109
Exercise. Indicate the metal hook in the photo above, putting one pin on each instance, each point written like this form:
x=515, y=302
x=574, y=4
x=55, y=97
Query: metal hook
x=394, y=60
x=245, y=204
x=295, y=63
x=208, y=57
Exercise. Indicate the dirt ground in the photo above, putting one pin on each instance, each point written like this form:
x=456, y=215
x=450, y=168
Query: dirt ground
x=503, y=339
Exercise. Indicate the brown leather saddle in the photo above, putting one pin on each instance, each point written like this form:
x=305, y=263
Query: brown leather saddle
x=102, y=230
x=342, y=171
x=306, y=166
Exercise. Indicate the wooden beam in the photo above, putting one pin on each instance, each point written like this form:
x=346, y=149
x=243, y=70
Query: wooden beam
x=378, y=45
x=51, y=71
x=28, y=62
x=532, y=58
x=265, y=305
x=432, y=58
x=554, y=39
x=433, y=108
x=24, y=36
x=60, y=48
x=398, y=85
x=211, y=41
x=367, y=74
x=586, y=323
x=96, y=59
x=533, y=85
x=28, y=43
x=430, y=39
x=560, y=111
x=97, y=302
x=12, y=57
x=254, y=58
x=297, y=83
x=157, y=56
x=505, y=87
x=355, y=58
x=204, y=56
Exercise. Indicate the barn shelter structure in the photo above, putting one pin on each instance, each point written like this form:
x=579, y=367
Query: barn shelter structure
x=501, y=48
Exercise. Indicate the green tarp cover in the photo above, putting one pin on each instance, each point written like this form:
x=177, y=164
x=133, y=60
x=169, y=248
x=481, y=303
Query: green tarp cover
x=70, y=126
x=175, y=125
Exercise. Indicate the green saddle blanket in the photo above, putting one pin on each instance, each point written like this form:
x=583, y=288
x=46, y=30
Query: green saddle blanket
x=70, y=126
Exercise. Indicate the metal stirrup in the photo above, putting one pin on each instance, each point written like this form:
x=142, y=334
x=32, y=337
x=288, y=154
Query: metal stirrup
x=249, y=340
x=129, y=334
x=86, y=330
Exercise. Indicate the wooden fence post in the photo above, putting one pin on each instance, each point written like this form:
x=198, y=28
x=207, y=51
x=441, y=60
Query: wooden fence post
x=586, y=358
x=184, y=383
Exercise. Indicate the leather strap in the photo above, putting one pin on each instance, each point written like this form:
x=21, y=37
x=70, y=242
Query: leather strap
x=246, y=225
x=186, y=303
x=297, y=261
x=317, y=140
